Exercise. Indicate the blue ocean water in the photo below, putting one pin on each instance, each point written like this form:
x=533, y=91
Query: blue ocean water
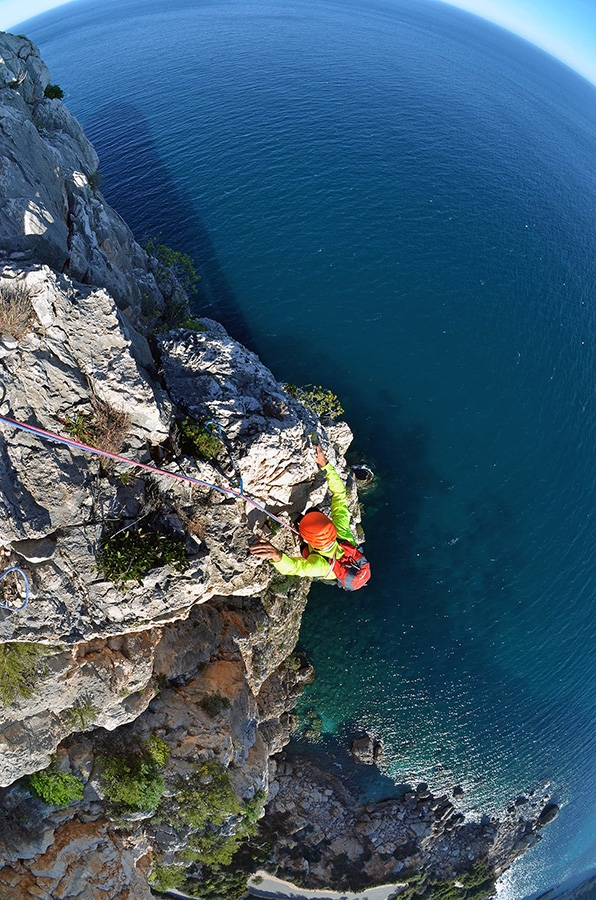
x=396, y=200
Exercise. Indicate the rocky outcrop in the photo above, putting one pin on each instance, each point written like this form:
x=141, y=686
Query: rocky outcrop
x=323, y=836
x=58, y=502
x=50, y=211
x=366, y=750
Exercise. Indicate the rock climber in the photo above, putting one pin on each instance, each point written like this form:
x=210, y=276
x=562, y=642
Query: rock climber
x=331, y=553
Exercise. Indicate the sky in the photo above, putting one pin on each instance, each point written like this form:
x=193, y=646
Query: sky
x=564, y=28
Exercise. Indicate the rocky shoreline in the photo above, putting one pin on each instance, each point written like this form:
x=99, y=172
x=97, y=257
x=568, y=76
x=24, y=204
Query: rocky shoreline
x=325, y=837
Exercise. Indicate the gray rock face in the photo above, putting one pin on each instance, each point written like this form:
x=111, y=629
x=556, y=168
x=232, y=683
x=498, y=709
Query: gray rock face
x=50, y=209
x=21, y=68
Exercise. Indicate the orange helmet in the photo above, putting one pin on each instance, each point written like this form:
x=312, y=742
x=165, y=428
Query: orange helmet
x=317, y=530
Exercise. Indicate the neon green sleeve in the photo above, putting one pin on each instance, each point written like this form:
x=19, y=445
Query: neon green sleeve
x=340, y=514
x=315, y=566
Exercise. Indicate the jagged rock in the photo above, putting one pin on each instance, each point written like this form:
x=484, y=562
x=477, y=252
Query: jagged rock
x=104, y=683
x=548, y=814
x=50, y=211
x=87, y=860
x=366, y=750
x=35, y=551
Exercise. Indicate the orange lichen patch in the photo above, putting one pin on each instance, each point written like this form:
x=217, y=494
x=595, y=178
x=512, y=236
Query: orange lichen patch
x=86, y=859
x=235, y=621
x=225, y=677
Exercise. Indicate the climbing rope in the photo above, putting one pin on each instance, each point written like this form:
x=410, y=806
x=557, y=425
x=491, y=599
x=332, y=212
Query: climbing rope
x=77, y=445
x=26, y=581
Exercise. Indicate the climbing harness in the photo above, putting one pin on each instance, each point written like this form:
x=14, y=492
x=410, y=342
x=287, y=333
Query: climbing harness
x=77, y=445
x=26, y=581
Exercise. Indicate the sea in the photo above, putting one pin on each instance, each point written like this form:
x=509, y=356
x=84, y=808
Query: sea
x=395, y=200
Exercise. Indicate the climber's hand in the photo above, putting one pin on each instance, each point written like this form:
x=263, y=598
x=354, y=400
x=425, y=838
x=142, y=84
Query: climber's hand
x=265, y=550
x=320, y=456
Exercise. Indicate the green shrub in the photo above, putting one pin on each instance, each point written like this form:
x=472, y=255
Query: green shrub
x=21, y=668
x=128, y=555
x=214, y=704
x=193, y=324
x=219, y=884
x=80, y=716
x=476, y=884
x=212, y=849
x=55, y=788
x=194, y=439
x=173, y=262
x=158, y=750
x=207, y=796
x=164, y=878
x=252, y=808
x=320, y=401
x=132, y=778
x=94, y=180
x=53, y=92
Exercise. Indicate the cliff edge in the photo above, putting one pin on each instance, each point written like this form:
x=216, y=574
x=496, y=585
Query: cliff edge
x=150, y=678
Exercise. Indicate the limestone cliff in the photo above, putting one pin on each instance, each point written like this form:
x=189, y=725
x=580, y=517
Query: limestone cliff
x=177, y=683
x=74, y=359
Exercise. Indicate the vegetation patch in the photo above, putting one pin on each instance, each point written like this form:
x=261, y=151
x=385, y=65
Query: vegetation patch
x=130, y=553
x=193, y=324
x=229, y=882
x=132, y=778
x=105, y=427
x=195, y=440
x=207, y=796
x=320, y=401
x=164, y=878
x=94, y=180
x=177, y=278
x=173, y=262
x=214, y=704
x=81, y=716
x=54, y=787
x=218, y=863
x=478, y=883
x=22, y=667
x=16, y=313
x=53, y=92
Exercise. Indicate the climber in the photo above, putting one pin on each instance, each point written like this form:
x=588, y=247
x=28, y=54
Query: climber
x=331, y=554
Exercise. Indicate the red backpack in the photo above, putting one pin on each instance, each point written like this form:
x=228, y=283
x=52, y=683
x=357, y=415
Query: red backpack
x=352, y=571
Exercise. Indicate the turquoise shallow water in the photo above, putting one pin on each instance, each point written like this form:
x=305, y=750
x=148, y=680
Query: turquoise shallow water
x=396, y=200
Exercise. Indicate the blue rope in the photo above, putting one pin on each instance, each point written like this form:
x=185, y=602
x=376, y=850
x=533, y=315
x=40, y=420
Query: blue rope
x=26, y=580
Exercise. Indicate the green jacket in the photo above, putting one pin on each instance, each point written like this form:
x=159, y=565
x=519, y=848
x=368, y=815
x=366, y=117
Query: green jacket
x=316, y=565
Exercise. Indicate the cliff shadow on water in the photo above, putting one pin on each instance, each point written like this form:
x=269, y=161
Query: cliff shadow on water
x=127, y=154
x=418, y=623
